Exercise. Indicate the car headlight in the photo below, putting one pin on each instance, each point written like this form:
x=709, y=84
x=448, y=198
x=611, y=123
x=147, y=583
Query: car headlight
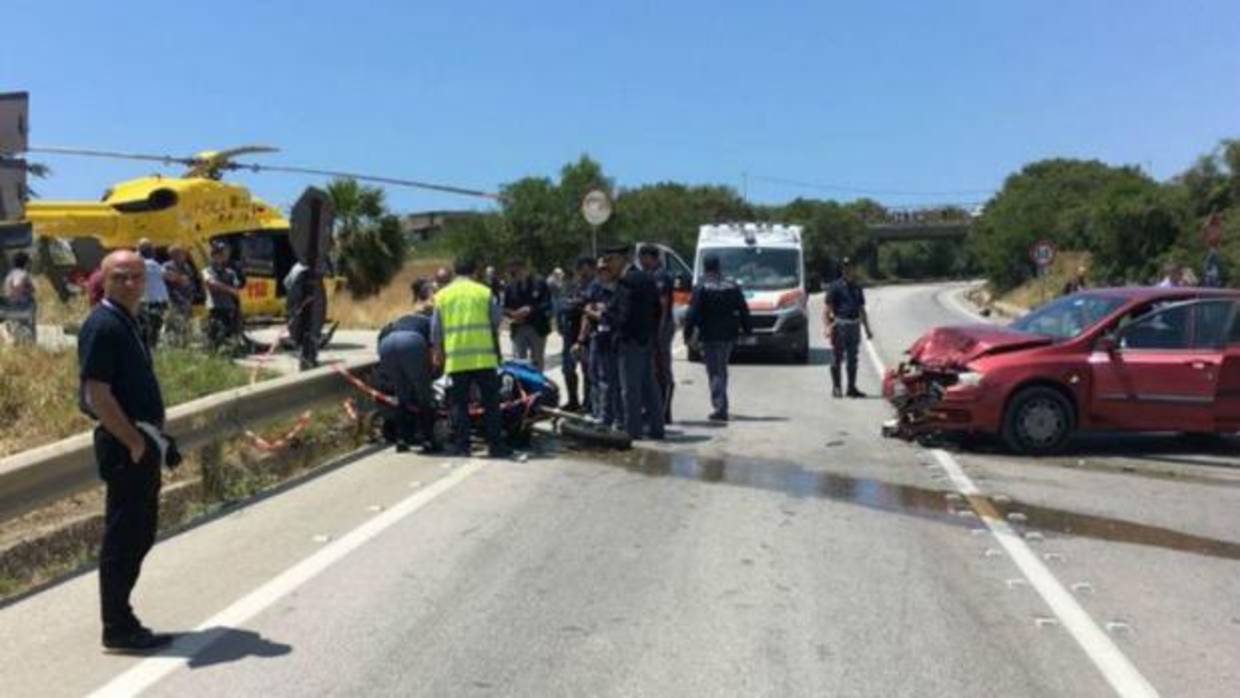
x=969, y=379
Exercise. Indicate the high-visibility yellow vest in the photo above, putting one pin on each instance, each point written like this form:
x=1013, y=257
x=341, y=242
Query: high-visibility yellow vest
x=464, y=309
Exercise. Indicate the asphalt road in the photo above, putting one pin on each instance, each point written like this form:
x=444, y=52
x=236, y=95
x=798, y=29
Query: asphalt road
x=792, y=552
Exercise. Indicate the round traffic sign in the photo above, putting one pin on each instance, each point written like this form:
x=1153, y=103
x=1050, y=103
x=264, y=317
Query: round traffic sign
x=1042, y=253
x=596, y=207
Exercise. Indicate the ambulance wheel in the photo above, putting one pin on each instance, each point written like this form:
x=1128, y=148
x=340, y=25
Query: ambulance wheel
x=802, y=354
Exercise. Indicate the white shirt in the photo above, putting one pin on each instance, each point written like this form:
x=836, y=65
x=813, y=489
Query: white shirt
x=156, y=289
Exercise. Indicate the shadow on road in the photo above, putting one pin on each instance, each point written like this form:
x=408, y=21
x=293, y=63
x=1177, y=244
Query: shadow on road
x=227, y=645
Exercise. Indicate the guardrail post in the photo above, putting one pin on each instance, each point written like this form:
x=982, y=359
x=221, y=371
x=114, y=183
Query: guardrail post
x=211, y=458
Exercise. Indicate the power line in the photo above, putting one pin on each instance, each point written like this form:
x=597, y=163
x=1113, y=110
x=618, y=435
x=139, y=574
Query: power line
x=865, y=191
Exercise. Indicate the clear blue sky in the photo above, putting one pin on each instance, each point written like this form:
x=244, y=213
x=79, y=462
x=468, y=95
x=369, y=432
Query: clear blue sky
x=890, y=96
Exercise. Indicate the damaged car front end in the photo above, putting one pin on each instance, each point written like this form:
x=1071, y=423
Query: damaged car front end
x=941, y=386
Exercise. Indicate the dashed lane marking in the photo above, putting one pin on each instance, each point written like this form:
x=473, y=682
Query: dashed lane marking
x=1116, y=668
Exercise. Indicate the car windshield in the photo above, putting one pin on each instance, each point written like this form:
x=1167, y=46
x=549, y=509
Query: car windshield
x=1067, y=317
x=760, y=268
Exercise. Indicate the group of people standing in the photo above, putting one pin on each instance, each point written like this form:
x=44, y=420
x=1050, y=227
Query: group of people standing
x=171, y=288
x=617, y=323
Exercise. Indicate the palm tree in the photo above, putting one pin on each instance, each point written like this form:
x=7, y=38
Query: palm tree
x=371, y=246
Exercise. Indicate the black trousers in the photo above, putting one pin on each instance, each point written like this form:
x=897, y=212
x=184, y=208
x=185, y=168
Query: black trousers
x=459, y=394
x=845, y=342
x=222, y=327
x=131, y=518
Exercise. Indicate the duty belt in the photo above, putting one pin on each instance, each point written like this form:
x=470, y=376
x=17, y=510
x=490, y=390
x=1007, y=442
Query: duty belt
x=847, y=321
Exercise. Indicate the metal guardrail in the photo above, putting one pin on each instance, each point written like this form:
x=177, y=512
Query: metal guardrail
x=58, y=470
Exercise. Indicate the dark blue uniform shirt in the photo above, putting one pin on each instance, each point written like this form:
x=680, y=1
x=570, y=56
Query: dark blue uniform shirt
x=637, y=310
x=534, y=292
x=111, y=350
x=414, y=322
x=596, y=292
x=846, y=299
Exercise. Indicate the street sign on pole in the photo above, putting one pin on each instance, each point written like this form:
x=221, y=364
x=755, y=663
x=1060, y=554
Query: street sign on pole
x=596, y=207
x=1042, y=254
x=14, y=122
x=311, y=229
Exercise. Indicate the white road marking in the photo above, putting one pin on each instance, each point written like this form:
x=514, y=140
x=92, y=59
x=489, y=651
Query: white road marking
x=149, y=671
x=952, y=298
x=1115, y=667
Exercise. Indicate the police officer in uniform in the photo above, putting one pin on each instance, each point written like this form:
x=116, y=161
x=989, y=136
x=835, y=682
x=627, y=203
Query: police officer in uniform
x=635, y=317
x=568, y=322
x=598, y=341
x=120, y=390
x=405, y=358
x=463, y=334
x=844, y=317
x=527, y=304
x=648, y=257
x=717, y=313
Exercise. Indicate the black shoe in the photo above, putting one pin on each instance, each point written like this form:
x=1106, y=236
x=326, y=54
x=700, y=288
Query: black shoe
x=835, y=391
x=718, y=417
x=853, y=392
x=572, y=406
x=430, y=447
x=137, y=641
x=402, y=447
x=500, y=452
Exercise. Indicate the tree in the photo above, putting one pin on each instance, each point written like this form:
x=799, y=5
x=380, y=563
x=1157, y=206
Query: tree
x=371, y=247
x=1049, y=199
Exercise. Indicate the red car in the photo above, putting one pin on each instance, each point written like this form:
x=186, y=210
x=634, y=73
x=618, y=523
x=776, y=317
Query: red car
x=1124, y=359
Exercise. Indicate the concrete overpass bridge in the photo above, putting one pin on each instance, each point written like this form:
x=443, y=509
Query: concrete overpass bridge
x=909, y=223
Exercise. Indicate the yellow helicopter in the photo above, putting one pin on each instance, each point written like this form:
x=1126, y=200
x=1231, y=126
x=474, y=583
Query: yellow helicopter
x=194, y=210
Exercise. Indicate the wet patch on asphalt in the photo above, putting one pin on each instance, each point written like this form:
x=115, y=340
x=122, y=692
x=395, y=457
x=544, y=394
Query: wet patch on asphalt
x=942, y=506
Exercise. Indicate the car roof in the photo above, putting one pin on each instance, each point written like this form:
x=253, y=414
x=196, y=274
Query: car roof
x=1154, y=293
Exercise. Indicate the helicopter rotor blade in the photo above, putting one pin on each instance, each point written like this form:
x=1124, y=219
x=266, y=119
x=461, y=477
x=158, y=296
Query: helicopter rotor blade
x=165, y=159
x=448, y=189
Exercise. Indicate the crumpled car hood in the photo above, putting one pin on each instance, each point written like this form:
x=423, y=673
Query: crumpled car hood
x=955, y=347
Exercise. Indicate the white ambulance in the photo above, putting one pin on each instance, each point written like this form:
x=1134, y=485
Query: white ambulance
x=769, y=264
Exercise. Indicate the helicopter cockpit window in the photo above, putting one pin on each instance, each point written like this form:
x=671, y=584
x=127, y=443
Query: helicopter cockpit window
x=258, y=253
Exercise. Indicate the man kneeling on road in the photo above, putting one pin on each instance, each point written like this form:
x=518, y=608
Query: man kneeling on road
x=717, y=312
x=405, y=358
x=120, y=390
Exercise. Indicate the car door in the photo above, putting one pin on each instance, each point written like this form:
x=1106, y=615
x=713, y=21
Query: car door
x=1227, y=400
x=1163, y=372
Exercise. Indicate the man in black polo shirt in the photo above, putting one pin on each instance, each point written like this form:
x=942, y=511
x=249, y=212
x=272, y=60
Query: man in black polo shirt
x=635, y=315
x=120, y=390
x=844, y=317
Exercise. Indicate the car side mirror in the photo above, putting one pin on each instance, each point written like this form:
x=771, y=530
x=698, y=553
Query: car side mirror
x=1107, y=344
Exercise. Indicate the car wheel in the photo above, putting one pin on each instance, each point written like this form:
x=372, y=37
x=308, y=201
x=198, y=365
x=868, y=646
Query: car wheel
x=1038, y=421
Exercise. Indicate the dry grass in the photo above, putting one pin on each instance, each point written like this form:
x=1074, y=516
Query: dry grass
x=38, y=390
x=376, y=311
x=1037, y=291
x=52, y=311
